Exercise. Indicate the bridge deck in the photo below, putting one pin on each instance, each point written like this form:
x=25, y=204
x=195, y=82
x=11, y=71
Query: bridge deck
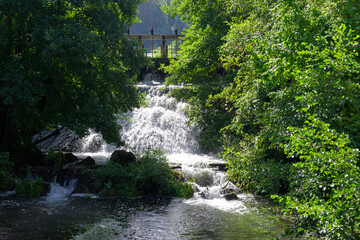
x=155, y=37
x=164, y=38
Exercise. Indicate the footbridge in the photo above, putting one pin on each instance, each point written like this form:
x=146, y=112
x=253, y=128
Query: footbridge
x=167, y=49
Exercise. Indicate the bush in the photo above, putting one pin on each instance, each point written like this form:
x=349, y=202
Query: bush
x=54, y=160
x=30, y=189
x=7, y=181
x=154, y=173
x=149, y=175
x=324, y=189
x=113, y=179
x=156, y=178
x=254, y=171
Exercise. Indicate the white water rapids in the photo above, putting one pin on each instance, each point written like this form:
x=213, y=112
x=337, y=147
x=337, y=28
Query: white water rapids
x=163, y=124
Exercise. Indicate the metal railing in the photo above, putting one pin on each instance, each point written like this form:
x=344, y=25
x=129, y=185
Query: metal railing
x=165, y=51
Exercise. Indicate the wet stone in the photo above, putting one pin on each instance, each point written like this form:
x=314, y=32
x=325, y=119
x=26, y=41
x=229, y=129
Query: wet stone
x=231, y=196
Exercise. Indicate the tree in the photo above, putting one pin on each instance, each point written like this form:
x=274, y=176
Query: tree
x=66, y=62
x=199, y=64
x=294, y=102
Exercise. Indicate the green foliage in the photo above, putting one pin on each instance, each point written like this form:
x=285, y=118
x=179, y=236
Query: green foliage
x=324, y=187
x=153, y=173
x=29, y=188
x=254, y=171
x=115, y=180
x=66, y=63
x=283, y=61
x=155, y=177
x=55, y=160
x=149, y=175
x=7, y=181
x=199, y=64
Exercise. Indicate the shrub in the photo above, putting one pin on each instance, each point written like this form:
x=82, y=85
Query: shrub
x=149, y=175
x=7, y=181
x=154, y=173
x=30, y=189
x=249, y=166
x=324, y=189
x=156, y=178
x=113, y=179
x=55, y=160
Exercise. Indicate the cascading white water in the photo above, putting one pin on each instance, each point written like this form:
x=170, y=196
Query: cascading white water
x=163, y=124
x=94, y=146
x=58, y=192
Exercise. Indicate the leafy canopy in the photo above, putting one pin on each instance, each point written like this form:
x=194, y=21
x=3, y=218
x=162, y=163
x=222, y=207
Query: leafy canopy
x=66, y=62
x=256, y=71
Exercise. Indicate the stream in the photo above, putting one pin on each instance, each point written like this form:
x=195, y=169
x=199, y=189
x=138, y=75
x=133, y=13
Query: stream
x=207, y=215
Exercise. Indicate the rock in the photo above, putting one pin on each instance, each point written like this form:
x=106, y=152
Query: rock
x=204, y=194
x=122, y=157
x=88, y=162
x=70, y=158
x=204, y=178
x=176, y=166
x=62, y=139
x=178, y=175
x=219, y=166
x=45, y=172
x=231, y=196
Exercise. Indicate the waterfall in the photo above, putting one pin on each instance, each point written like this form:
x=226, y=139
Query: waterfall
x=163, y=124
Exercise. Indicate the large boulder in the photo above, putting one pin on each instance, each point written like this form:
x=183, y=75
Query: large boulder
x=61, y=139
x=88, y=162
x=231, y=196
x=122, y=157
x=70, y=158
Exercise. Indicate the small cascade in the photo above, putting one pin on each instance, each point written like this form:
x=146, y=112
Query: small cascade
x=92, y=142
x=93, y=145
x=162, y=124
x=59, y=192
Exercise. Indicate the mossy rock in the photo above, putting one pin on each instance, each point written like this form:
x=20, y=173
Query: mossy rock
x=88, y=162
x=122, y=157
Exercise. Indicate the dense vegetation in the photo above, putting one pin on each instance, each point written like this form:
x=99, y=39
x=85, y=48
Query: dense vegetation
x=148, y=175
x=65, y=63
x=277, y=83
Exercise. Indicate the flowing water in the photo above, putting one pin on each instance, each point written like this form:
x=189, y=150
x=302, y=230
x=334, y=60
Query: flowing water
x=207, y=215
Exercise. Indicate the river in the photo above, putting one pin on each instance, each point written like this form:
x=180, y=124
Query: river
x=207, y=215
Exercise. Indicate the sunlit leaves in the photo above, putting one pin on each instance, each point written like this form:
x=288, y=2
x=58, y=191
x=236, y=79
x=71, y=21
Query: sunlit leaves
x=324, y=187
